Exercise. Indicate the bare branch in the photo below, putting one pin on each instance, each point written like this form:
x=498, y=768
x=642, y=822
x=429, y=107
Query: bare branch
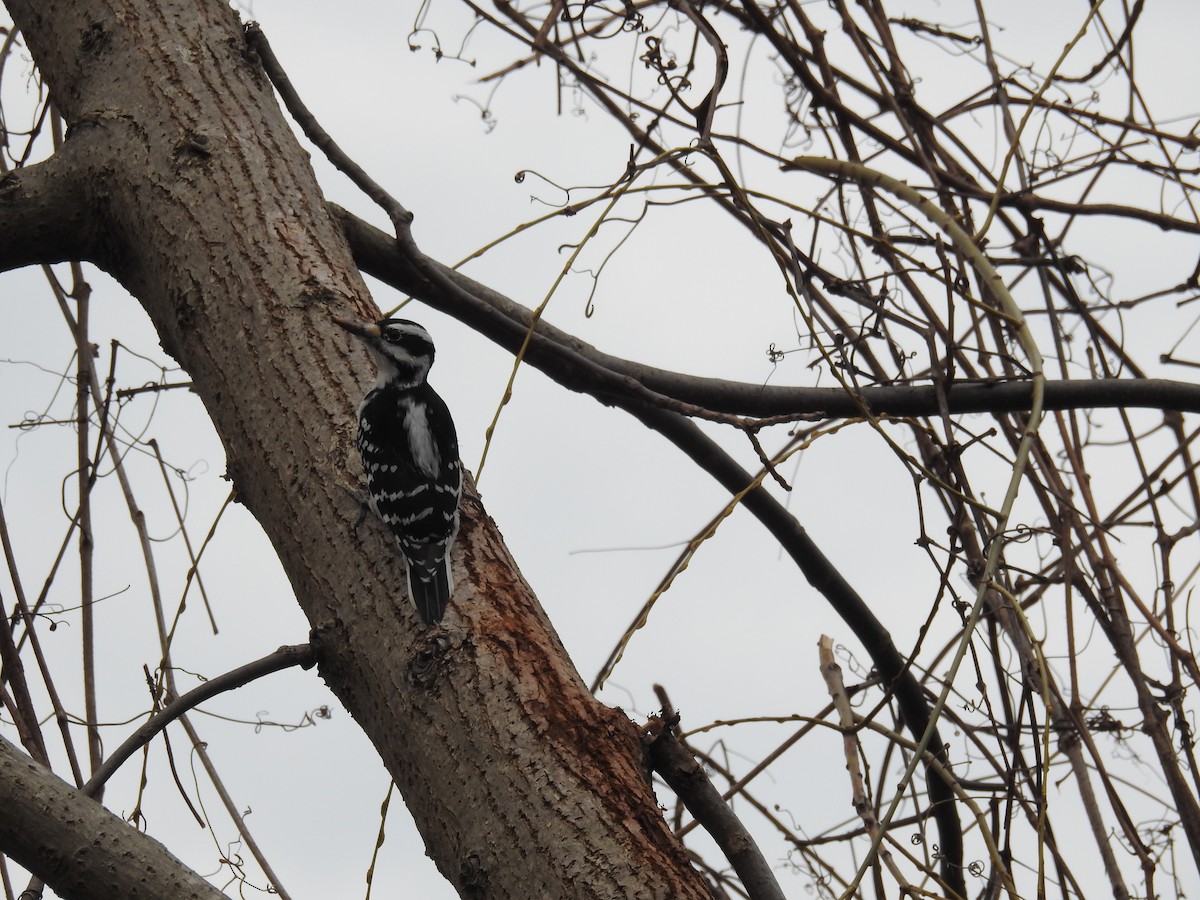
x=670, y=759
x=302, y=655
x=507, y=322
x=43, y=214
x=107, y=857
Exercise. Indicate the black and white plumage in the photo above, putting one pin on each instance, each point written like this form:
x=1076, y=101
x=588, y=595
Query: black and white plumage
x=410, y=455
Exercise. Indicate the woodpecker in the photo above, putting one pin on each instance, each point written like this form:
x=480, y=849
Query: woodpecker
x=410, y=455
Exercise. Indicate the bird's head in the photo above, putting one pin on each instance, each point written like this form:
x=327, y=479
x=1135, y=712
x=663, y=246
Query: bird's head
x=402, y=349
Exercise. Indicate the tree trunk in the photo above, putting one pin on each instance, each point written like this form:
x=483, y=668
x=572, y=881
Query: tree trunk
x=181, y=177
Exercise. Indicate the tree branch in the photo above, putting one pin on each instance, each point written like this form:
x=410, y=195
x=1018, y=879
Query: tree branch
x=506, y=323
x=670, y=759
x=567, y=807
x=823, y=575
x=43, y=216
x=302, y=655
x=79, y=848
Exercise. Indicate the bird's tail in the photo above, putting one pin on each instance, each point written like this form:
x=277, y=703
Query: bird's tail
x=430, y=587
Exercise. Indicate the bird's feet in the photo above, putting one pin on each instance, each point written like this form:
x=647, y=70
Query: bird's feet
x=360, y=497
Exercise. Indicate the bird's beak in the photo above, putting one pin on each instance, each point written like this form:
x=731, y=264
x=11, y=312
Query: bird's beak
x=355, y=327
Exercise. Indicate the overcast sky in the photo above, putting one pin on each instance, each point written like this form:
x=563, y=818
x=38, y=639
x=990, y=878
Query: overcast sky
x=594, y=508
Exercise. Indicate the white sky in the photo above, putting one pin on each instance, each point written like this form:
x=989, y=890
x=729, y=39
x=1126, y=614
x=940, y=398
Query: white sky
x=736, y=636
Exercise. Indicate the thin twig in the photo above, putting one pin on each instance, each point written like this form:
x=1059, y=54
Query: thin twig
x=308, y=123
x=832, y=673
x=302, y=655
x=138, y=519
x=193, y=556
x=22, y=609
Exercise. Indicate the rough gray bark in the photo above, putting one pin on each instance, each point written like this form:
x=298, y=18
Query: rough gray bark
x=185, y=182
x=79, y=847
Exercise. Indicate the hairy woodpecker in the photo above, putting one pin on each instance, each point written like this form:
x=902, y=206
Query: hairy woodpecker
x=410, y=455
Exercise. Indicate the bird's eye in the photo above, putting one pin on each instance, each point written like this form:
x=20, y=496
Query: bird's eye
x=413, y=344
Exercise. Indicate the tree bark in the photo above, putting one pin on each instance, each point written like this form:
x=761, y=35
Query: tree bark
x=200, y=201
x=81, y=849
